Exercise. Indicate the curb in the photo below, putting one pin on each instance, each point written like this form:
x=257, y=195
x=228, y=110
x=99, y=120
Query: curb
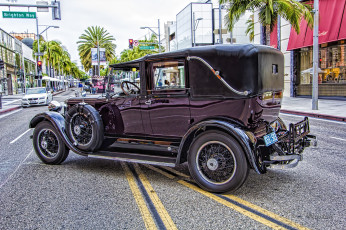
x=10, y=109
x=322, y=116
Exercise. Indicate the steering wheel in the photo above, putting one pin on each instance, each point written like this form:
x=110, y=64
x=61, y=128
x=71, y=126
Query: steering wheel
x=129, y=90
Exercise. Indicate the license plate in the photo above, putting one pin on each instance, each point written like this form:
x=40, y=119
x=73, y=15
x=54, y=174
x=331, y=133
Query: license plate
x=270, y=139
x=33, y=102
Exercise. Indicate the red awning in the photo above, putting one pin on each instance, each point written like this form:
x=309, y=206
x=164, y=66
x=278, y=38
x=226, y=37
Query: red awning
x=296, y=41
x=274, y=37
x=331, y=14
x=342, y=33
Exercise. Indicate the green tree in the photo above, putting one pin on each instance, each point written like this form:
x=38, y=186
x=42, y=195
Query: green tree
x=268, y=12
x=91, y=38
x=250, y=29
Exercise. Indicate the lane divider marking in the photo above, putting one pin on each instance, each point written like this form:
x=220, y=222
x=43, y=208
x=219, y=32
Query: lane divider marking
x=10, y=113
x=161, y=210
x=145, y=213
x=244, y=207
x=19, y=136
x=20, y=164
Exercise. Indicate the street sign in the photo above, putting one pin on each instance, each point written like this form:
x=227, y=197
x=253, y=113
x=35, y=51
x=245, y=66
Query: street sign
x=16, y=14
x=135, y=43
x=147, y=47
x=38, y=54
x=44, y=7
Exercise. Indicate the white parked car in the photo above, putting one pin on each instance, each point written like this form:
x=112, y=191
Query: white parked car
x=36, y=96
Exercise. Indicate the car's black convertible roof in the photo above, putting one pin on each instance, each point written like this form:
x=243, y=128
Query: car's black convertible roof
x=246, y=67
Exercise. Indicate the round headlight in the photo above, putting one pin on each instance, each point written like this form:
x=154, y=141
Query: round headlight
x=54, y=106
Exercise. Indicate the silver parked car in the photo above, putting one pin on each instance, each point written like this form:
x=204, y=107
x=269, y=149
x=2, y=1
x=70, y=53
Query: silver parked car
x=37, y=96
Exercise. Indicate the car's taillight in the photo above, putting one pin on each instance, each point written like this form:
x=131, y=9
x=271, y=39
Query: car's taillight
x=271, y=98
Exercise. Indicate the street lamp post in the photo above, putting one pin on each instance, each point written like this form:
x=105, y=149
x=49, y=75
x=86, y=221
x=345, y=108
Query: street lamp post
x=157, y=34
x=45, y=30
x=315, y=59
x=195, y=25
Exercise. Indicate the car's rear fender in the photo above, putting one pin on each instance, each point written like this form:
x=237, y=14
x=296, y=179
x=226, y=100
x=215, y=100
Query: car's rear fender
x=244, y=138
x=58, y=121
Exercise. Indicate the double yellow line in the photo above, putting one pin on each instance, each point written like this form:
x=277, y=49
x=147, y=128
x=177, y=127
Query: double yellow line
x=244, y=207
x=153, y=213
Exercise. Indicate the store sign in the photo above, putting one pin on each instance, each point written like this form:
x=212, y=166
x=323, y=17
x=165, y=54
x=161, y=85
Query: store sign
x=16, y=14
x=9, y=69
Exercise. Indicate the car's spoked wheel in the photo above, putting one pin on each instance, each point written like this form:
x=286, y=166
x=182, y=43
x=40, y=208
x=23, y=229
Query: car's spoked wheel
x=48, y=145
x=81, y=129
x=216, y=162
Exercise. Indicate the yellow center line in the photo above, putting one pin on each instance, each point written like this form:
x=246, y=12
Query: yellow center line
x=266, y=212
x=166, y=219
x=233, y=206
x=145, y=213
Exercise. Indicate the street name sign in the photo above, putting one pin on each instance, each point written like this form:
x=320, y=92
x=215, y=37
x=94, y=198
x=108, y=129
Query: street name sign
x=147, y=47
x=16, y=14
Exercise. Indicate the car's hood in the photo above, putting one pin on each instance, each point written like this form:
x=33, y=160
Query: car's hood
x=35, y=95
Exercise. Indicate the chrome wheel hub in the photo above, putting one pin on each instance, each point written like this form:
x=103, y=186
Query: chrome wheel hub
x=77, y=130
x=212, y=164
x=44, y=144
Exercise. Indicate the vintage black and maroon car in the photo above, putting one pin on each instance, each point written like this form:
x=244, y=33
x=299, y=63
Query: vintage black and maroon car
x=215, y=107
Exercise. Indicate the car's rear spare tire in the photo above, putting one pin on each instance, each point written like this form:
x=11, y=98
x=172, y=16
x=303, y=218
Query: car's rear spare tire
x=84, y=127
x=217, y=162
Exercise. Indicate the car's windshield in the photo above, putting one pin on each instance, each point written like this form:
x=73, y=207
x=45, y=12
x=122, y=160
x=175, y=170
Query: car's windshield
x=117, y=77
x=35, y=90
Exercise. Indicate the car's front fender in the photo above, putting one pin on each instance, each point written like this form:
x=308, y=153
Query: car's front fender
x=244, y=138
x=58, y=121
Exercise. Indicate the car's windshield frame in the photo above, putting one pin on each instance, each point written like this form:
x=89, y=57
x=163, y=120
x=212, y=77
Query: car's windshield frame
x=36, y=91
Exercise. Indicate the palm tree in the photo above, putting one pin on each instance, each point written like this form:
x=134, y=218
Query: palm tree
x=52, y=54
x=92, y=38
x=268, y=12
x=250, y=29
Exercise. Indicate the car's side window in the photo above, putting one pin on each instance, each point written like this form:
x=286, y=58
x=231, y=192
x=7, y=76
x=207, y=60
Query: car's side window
x=169, y=75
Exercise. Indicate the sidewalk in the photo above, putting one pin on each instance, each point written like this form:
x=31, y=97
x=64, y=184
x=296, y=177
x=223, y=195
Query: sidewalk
x=328, y=109
x=15, y=103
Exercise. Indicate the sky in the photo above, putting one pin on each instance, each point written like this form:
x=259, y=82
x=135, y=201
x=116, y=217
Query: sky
x=121, y=18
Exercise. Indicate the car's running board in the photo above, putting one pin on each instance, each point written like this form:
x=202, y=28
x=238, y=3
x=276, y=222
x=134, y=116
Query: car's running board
x=136, y=158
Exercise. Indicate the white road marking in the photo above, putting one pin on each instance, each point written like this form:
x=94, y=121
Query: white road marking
x=10, y=102
x=7, y=114
x=337, y=138
x=19, y=136
x=9, y=177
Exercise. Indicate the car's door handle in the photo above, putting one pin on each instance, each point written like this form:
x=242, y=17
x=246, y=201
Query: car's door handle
x=148, y=102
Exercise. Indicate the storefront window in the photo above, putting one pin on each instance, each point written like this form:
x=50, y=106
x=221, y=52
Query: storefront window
x=332, y=62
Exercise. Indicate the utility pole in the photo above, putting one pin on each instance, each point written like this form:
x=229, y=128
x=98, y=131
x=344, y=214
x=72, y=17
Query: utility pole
x=315, y=58
x=39, y=55
x=220, y=25
x=98, y=56
x=158, y=20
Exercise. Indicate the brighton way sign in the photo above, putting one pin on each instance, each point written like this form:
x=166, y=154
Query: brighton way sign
x=17, y=14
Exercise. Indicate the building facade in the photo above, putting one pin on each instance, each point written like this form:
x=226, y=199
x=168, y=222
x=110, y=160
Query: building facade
x=18, y=61
x=198, y=25
x=297, y=49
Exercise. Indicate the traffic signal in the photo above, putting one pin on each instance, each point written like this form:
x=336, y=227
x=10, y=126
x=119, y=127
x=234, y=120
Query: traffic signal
x=56, y=12
x=131, y=43
x=39, y=67
x=1, y=64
